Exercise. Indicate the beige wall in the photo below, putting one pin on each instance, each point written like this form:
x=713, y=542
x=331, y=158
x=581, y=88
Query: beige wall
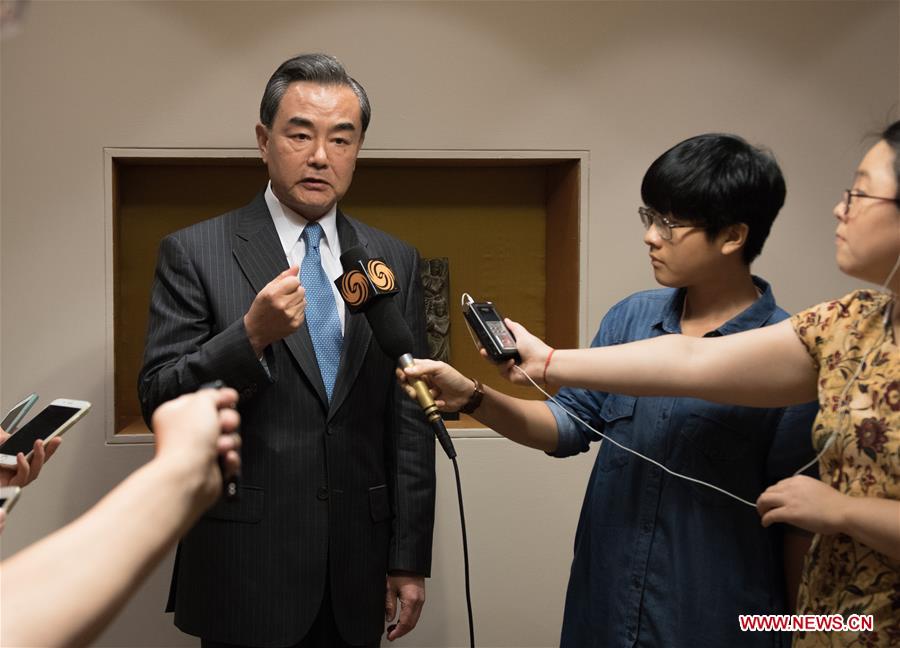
x=621, y=80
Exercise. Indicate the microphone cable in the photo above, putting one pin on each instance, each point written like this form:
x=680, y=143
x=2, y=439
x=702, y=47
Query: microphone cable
x=465, y=545
x=366, y=286
x=634, y=452
x=434, y=419
x=436, y=422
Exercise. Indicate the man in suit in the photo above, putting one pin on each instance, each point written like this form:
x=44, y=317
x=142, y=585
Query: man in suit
x=331, y=531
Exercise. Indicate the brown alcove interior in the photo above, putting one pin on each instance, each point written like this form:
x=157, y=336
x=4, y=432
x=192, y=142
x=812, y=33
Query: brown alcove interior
x=509, y=228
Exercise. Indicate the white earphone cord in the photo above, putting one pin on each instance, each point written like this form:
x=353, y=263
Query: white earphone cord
x=635, y=452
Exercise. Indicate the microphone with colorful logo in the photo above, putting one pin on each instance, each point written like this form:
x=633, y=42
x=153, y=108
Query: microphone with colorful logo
x=367, y=286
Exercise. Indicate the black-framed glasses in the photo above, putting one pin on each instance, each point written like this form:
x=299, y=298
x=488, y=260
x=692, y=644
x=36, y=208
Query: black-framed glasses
x=664, y=225
x=848, y=195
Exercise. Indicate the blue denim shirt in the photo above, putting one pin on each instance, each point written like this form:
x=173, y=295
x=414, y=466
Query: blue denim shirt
x=660, y=561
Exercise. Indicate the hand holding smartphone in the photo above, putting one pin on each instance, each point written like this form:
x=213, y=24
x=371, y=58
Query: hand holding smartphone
x=51, y=422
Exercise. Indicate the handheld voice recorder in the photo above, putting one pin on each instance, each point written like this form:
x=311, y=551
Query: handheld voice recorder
x=488, y=325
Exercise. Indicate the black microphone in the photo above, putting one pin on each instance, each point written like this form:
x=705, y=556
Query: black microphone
x=367, y=285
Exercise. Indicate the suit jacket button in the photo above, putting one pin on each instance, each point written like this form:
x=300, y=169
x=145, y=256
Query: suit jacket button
x=322, y=494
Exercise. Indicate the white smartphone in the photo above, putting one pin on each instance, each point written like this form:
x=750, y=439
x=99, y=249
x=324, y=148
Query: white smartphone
x=8, y=497
x=52, y=421
x=17, y=413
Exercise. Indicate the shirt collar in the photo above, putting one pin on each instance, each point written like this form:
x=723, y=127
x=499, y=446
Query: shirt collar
x=754, y=316
x=289, y=224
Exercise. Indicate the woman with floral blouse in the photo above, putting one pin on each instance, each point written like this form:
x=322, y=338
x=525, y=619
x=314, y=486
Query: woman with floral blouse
x=845, y=353
x=853, y=565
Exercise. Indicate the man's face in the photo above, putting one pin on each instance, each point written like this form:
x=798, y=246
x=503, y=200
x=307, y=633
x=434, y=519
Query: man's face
x=688, y=258
x=312, y=146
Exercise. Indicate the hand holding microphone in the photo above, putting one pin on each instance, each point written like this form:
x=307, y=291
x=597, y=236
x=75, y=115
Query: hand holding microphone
x=449, y=388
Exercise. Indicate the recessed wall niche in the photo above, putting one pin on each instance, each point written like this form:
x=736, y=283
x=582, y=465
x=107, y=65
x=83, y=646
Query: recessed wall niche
x=509, y=227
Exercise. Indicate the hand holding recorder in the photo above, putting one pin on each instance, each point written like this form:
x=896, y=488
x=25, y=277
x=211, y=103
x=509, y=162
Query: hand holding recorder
x=506, y=343
x=121, y=539
x=194, y=430
x=527, y=422
x=500, y=340
x=452, y=391
x=534, y=355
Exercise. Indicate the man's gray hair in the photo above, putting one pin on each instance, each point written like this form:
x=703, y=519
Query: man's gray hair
x=316, y=68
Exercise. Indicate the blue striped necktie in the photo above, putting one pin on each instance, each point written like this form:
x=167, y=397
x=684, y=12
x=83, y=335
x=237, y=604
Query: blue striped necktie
x=321, y=310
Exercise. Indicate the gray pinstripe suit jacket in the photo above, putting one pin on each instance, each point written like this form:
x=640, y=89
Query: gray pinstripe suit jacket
x=346, y=490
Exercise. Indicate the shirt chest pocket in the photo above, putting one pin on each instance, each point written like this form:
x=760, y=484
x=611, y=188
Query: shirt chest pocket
x=617, y=415
x=717, y=449
x=718, y=437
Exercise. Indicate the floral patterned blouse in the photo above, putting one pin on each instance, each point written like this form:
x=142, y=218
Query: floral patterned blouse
x=841, y=575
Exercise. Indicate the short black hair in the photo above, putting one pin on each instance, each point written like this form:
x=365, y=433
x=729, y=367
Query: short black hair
x=316, y=68
x=891, y=135
x=716, y=180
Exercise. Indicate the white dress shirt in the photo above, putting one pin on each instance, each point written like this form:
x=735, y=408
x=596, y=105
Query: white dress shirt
x=289, y=225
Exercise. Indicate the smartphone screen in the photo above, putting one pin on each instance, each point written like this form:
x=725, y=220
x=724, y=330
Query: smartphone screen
x=40, y=427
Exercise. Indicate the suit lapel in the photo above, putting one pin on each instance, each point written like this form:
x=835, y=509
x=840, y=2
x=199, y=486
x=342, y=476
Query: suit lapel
x=258, y=251
x=357, y=333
